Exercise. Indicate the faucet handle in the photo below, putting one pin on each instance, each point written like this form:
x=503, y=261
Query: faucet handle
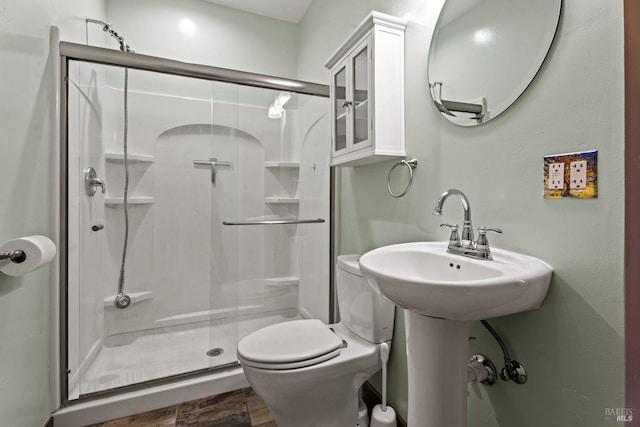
x=482, y=242
x=454, y=239
x=485, y=229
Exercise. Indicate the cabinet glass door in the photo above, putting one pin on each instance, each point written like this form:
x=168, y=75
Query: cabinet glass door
x=360, y=67
x=340, y=110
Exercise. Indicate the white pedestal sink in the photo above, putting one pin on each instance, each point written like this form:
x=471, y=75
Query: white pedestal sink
x=442, y=293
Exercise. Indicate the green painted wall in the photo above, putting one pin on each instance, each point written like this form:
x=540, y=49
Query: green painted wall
x=222, y=37
x=24, y=194
x=573, y=347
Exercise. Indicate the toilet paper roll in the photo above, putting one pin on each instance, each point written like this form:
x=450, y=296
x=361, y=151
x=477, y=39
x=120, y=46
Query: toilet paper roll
x=39, y=251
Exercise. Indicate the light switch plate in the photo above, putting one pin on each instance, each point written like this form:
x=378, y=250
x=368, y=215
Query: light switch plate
x=571, y=175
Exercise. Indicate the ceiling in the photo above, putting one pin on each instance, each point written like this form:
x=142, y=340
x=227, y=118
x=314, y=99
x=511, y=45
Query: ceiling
x=286, y=10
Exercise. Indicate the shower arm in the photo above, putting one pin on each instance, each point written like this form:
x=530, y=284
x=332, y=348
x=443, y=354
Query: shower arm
x=107, y=28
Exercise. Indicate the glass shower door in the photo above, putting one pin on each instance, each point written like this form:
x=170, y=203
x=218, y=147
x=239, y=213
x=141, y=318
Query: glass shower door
x=166, y=222
x=209, y=167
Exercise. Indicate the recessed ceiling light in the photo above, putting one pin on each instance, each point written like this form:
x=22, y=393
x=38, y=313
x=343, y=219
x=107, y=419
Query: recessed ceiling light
x=187, y=26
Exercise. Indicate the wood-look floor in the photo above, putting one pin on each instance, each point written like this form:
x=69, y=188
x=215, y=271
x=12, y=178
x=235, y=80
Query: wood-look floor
x=240, y=408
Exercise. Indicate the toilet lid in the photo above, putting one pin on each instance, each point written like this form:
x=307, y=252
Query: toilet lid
x=289, y=345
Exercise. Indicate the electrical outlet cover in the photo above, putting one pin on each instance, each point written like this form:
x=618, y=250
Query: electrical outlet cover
x=579, y=179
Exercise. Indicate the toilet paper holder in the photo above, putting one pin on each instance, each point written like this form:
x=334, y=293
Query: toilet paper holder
x=26, y=254
x=16, y=256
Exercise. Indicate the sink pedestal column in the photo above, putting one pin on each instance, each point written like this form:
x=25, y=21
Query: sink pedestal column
x=437, y=358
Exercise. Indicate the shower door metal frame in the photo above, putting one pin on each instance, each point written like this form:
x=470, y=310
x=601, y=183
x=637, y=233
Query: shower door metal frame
x=136, y=61
x=72, y=51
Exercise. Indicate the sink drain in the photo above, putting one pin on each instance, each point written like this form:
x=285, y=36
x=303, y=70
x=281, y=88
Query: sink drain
x=215, y=352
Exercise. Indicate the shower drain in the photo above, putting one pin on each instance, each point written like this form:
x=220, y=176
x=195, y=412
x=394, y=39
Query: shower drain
x=215, y=352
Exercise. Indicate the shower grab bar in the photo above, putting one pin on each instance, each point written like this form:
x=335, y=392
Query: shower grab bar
x=213, y=162
x=275, y=222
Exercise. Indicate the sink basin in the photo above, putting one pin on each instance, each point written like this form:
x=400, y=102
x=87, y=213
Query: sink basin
x=424, y=278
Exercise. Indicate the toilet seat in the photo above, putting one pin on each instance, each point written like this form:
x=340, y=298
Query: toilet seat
x=289, y=345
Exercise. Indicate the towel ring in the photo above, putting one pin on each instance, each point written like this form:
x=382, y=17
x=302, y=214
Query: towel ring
x=411, y=165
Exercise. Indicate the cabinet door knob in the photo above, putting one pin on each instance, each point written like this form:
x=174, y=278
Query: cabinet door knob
x=346, y=104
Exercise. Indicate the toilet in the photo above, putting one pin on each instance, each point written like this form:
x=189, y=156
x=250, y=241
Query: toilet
x=309, y=373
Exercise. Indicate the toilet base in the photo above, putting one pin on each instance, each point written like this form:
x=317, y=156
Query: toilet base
x=363, y=414
x=328, y=402
x=327, y=394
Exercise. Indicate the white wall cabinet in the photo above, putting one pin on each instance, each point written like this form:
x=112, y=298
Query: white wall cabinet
x=367, y=93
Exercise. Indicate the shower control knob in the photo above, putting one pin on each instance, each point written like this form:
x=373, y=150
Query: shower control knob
x=92, y=182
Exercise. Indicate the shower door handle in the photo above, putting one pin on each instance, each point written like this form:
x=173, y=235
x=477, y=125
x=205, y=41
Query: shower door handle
x=213, y=162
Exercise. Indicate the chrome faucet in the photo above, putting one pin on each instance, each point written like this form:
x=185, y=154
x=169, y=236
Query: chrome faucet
x=467, y=227
x=466, y=245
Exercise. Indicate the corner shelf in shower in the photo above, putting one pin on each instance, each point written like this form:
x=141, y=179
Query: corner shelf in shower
x=133, y=200
x=136, y=297
x=282, y=200
x=133, y=158
x=282, y=281
x=288, y=165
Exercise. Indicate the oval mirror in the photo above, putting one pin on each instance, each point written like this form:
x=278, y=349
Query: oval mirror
x=484, y=54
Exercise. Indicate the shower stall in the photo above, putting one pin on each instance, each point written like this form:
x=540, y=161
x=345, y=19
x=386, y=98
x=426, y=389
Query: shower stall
x=200, y=194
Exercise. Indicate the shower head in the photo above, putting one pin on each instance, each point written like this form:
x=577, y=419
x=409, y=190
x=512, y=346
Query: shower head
x=107, y=29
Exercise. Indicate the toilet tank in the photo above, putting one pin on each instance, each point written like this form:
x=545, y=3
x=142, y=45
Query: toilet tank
x=363, y=311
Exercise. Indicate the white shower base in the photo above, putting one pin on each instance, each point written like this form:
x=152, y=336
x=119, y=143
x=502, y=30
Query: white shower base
x=151, y=398
x=170, y=351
